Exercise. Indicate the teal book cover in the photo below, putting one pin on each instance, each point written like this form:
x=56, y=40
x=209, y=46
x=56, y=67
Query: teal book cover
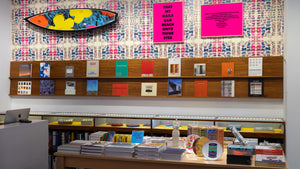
x=122, y=68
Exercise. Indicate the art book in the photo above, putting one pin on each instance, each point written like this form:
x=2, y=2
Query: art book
x=92, y=68
x=256, y=88
x=255, y=66
x=200, y=69
x=69, y=71
x=120, y=90
x=121, y=68
x=149, y=89
x=44, y=69
x=174, y=68
x=92, y=87
x=147, y=68
x=70, y=88
x=24, y=87
x=25, y=70
x=228, y=69
x=47, y=87
x=200, y=88
x=227, y=88
x=175, y=87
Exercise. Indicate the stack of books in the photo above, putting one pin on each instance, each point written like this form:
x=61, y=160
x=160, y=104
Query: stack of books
x=69, y=148
x=172, y=154
x=97, y=136
x=120, y=150
x=94, y=148
x=269, y=156
x=149, y=150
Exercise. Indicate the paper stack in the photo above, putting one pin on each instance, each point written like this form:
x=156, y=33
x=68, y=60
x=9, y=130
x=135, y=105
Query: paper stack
x=149, y=150
x=97, y=136
x=269, y=156
x=94, y=148
x=172, y=154
x=120, y=149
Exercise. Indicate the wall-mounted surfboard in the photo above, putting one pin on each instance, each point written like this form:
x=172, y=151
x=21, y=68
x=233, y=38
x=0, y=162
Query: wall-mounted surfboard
x=73, y=19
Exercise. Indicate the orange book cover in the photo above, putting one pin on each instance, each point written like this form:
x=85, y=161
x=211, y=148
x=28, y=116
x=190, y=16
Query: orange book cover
x=228, y=69
x=201, y=88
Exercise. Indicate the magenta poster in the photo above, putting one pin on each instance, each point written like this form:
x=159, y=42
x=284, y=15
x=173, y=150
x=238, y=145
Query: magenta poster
x=168, y=22
x=222, y=20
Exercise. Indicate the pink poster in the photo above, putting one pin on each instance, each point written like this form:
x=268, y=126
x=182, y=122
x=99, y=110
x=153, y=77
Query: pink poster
x=168, y=22
x=222, y=20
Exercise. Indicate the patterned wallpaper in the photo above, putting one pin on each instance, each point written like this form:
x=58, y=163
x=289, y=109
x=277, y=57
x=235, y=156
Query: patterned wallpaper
x=131, y=37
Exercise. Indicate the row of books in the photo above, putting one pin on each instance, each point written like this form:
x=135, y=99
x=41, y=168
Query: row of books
x=47, y=87
x=121, y=68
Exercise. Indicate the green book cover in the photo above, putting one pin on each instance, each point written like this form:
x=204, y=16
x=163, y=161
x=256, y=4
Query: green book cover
x=122, y=68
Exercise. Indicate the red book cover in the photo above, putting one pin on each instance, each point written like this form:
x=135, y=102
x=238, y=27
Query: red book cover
x=268, y=150
x=228, y=69
x=50, y=141
x=201, y=88
x=147, y=68
x=120, y=90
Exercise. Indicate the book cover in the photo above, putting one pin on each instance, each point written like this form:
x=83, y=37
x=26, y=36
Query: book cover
x=44, y=69
x=255, y=66
x=70, y=88
x=147, y=68
x=69, y=71
x=227, y=88
x=92, y=87
x=121, y=68
x=174, y=68
x=137, y=136
x=256, y=88
x=120, y=90
x=47, y=87
x=200, y=69
x=24, y=88
x=92, y=68
x=201, y=88
x=175, y=87
x=25, y=70
x=228, y=69
x=149, y=89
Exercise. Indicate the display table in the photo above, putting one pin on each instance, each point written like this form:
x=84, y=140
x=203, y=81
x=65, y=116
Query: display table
x=189, y=161
x=24, y=145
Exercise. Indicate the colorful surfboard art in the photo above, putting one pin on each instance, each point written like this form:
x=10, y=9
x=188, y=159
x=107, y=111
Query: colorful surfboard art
x=73, y=19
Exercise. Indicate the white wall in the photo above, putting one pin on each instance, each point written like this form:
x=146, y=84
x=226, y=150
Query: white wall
x=5, y=41
x=293, y=82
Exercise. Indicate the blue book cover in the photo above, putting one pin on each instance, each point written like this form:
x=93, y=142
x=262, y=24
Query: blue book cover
x=121, y=68
x=175, y=87
x=137, y=136
x=47, y=87
x=92, y=87
x=44, y=69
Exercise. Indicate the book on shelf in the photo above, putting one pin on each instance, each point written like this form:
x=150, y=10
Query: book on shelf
x=174, y=68
x=255, y=66
x=200, y=88
x=147, y=68
x=92, y=87
x=69, y=71
x=256, y=88
x=228, y=69
x=120, y=90
x=149, y=89
x=227, y=88
x=45, y=69
x=24, y=88
x=25, y=70
x=47, y=87
x=200, y=69
x=92, y=68
x=121, y=69
x=70, y=88
x=174, y=87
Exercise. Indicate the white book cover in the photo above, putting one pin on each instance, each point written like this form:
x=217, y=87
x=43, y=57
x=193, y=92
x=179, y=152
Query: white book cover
x=200, y=69
x=174, y=68
x=92, y=68
x=149, y=89
x=227, y=88
x=255, y=66
x=70, y=88
x=24, y=88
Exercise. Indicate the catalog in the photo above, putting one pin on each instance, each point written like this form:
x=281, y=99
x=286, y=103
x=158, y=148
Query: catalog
x=174, y=68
